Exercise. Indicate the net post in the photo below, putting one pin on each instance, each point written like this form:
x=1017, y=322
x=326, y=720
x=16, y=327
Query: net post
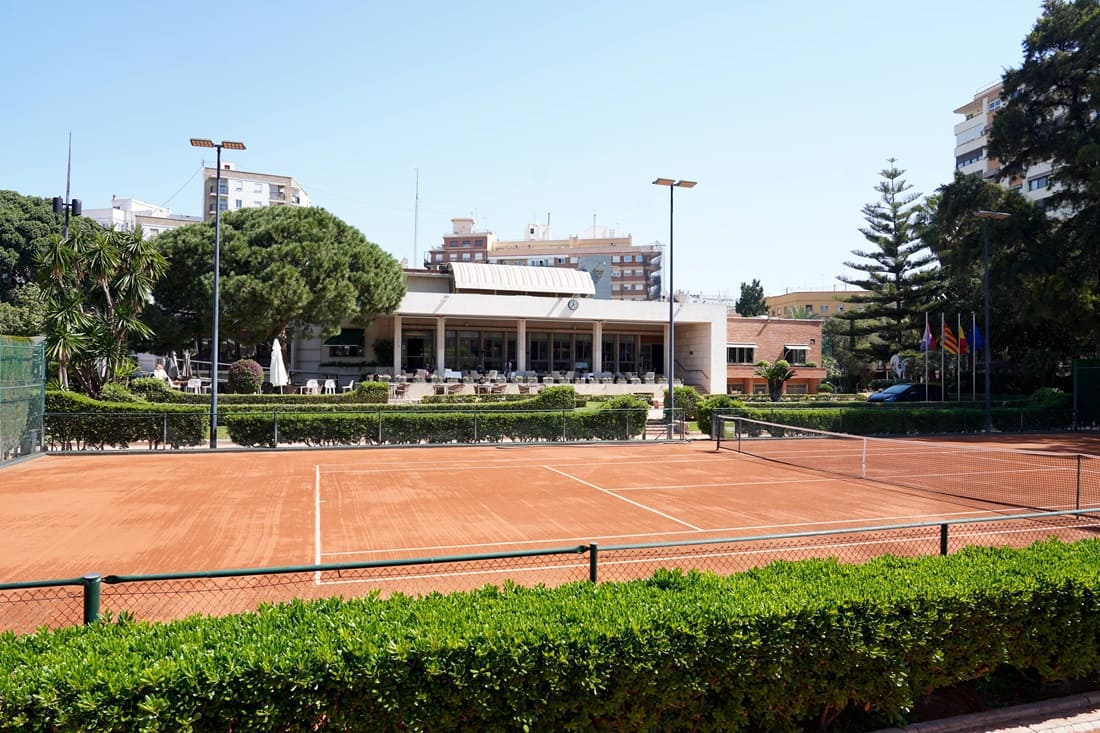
x=92, y=586
x=943, y=539
x=593, y=562
x=714, y=430
x=164, y=430
x=275, y=428
x=863, y=460
x=1077, y=502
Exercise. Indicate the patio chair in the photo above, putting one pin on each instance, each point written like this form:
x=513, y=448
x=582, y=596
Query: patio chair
x=311, y=387
x=569, y=377
x=649, y=377
x=194, y=385
x=330, y=386
x=349, y=386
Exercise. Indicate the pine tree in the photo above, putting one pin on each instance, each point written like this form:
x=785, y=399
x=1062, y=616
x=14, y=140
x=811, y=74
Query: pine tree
x=751, y=303
x=896, y=272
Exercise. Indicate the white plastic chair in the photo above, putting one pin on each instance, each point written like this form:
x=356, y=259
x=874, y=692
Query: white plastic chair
x=194, y=385
x=330, y=386
x=349, y=386
x=311, y=387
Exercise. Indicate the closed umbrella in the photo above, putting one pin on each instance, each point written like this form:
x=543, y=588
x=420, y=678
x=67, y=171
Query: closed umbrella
x=173, y=366
x=279, y=378
x=186, y=365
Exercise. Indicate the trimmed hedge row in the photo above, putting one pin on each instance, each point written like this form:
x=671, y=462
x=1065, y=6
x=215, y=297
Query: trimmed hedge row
x=615, y=421
x=893, y=419
x=769, y=649
x=77, y=422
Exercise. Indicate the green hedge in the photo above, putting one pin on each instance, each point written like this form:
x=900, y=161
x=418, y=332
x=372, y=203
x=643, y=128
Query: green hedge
x=77, y=422
x=616, y=420
x=771, y=649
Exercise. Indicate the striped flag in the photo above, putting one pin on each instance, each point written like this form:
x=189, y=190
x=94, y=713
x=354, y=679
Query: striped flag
x=950, y=345
x=964, y=347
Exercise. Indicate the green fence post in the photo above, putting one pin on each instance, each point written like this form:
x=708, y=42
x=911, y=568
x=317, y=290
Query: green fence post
x=593, y=561
x=943, y=539
x=92, y=586
x=275, y=427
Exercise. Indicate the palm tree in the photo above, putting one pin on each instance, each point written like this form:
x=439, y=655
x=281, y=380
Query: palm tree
x=777, y=375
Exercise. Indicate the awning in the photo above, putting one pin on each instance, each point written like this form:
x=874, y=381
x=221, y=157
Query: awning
x=740, y=346
x=347, y=337
x=796, y=346
x=521, y=279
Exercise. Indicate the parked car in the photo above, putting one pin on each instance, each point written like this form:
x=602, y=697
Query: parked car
x=908, y=393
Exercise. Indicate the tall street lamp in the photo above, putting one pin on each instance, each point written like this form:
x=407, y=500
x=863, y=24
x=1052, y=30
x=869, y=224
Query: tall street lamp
x=985, y=216
x=228, y=145
x=672, y=186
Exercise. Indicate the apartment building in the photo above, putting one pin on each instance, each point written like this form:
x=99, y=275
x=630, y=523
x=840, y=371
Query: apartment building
x=246, y=190
x=127, y=214
x=811, y=303
x=972, y=143
x=761, y=338
x=620, y=269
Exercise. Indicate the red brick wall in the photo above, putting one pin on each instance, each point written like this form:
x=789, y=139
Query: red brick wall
x=770, y=335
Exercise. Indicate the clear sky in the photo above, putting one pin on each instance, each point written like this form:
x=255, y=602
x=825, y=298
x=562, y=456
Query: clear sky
x=516, y=111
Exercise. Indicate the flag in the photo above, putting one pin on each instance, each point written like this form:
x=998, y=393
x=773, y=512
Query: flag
x=979, y=340
x=950, y=345
x=928, y=341
x=964, y=347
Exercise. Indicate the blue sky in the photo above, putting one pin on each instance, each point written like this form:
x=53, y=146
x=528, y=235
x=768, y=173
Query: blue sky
x=516, y=111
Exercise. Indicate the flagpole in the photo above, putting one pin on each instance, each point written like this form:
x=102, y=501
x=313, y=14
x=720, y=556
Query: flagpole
x=924, y=343
x=943, y=369
x=958, y=357
x=973, y=357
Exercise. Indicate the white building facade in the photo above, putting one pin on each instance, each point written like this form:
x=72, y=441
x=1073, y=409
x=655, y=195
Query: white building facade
x=247, y=190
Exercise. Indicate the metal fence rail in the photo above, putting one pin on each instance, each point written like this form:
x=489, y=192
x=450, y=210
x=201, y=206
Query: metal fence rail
x=27, y=606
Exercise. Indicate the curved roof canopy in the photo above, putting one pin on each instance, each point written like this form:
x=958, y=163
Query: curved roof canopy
x=481, y=277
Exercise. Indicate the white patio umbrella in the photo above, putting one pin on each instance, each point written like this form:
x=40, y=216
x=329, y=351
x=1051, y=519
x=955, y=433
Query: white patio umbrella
x=279, y=378
x=173, y=366
x=186, y=365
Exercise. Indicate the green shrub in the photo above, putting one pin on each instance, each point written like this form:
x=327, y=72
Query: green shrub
x=780, y=648
x=687, y=401
x=245, y=377
x=720, y=403
x=115, y=392
x=77, y=422
x=372, y=393
x=825, y=388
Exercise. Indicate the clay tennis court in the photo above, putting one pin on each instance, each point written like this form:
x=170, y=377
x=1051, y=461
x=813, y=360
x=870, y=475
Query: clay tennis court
x=139, y=514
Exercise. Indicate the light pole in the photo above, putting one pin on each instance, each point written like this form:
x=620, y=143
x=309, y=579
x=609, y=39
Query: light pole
x=672, y=186
x=228, y=145
x=985, y=216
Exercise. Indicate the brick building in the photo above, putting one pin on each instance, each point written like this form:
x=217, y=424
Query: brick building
x=750, y=340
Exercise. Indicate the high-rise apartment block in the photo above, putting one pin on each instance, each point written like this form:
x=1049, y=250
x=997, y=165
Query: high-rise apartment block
x=620, y=270
x=972, y=144
x=247, y=190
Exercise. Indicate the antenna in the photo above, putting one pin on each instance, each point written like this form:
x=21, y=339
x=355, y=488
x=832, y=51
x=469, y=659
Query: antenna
x=416, y=215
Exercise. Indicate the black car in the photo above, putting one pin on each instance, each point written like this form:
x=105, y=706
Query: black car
x=908, y=393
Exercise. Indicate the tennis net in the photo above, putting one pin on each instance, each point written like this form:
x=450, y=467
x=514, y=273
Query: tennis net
x=1036, y=479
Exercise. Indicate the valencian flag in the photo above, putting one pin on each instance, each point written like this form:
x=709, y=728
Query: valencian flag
x=964, y=348
x=950, y=345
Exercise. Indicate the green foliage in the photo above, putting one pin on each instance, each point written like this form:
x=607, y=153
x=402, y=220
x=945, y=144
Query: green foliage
x=779, y=648
x=776, y=374
x=26, y=224
x=77, y=422
x=751, y=303
x=284, y=269
x=115, y=392
x=687, y=401
x=886, y=419
x=245, y=377
x=825, y=388
x=719, y=403
x=1049, y=112
x=22, y=373
x=95, y=285
x=894, y=271
x=372, y=392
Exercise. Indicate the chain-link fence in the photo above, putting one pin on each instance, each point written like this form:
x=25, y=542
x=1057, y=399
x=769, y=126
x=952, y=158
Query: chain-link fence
x=1086, y=393
x=25, y=607
x=22, y=396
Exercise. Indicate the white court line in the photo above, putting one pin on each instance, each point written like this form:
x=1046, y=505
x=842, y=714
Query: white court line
x=338, y=467
x=756, y=527
x=729, y=483
x=623, y=499
x=317, y=520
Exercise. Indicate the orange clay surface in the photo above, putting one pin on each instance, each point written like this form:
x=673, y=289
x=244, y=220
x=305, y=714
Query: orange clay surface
x=65, y=516
x=136, y=514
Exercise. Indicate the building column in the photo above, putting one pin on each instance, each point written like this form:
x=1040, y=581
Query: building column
x=440, y=344
x=597, y=346
x=398, y=368
x=521, y=345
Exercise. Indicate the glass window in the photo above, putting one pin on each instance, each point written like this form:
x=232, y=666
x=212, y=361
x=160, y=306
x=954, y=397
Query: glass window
x=582, y=348
x=562, y=358
x=223, y=187
x=538, y=351
x=740, y=355
x=795, y=354
x=257, y=188
x=626, y=354
x=223, y=205
x=824, y=309
x=1036, y=183
x=614, y=258
x=239, y=203
x=478, y=256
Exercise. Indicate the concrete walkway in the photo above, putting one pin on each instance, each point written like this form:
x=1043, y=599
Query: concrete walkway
x=1071, y=714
